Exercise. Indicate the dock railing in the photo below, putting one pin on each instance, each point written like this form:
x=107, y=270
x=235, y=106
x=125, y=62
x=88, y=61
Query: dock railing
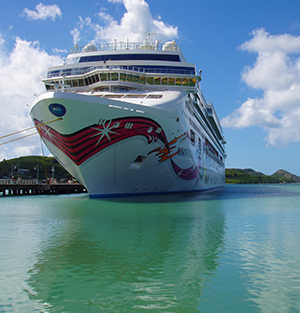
x=18, y=182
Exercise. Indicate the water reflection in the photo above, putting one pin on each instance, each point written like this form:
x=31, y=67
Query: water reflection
x=268, y=248
x=120, y=255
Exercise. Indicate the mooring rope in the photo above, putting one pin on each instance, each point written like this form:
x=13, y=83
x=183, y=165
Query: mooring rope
x=44, y=161
x=20, y=131
x=3, y=143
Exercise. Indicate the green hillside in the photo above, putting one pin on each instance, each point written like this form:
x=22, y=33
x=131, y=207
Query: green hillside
x=28, y=168
x=249, y=176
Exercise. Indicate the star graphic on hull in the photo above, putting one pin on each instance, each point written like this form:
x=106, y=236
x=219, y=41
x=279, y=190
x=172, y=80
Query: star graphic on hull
x=105, y=131
x=47, y=133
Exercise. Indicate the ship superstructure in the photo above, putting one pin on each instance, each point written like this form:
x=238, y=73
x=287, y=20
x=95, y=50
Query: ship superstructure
x=130, y=118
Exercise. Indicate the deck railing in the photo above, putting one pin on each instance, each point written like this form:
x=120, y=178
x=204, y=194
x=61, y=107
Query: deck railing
x=121, y=45
x=18, y=181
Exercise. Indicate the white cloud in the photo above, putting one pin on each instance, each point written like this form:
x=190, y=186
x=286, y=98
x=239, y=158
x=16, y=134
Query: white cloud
x=43, y=12
x=21, y=74
x=277, y=73
x=136, y=21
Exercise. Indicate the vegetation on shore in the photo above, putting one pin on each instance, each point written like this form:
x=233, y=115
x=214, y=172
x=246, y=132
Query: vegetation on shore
x=249, y=176
x=31, y=167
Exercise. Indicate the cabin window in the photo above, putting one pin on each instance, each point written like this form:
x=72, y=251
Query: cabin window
x=171, y=81
x=129, y=78
x=136, y=79
x=192, y=135
x=96, y=78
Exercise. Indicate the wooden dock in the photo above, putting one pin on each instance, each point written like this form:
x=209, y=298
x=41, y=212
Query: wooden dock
x=24, y=187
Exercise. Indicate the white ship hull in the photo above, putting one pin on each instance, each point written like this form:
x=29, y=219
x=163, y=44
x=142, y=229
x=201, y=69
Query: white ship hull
x=118, y=148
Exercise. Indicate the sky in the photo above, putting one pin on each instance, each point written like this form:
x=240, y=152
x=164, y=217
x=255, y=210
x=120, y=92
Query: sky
x=248, y=51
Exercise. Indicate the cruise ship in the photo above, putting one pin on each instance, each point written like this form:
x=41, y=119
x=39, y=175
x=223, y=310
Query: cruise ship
x=130, y=119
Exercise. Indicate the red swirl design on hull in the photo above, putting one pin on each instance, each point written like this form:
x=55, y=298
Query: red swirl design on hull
x=88, y=141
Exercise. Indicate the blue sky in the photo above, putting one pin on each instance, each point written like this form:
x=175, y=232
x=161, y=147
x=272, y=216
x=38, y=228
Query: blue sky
x=249, y=52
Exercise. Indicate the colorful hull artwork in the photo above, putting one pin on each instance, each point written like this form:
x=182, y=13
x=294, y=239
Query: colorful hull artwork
x=86, y=142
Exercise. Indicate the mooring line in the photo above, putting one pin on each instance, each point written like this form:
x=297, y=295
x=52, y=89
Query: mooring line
x=3, y=143
x=20, y=131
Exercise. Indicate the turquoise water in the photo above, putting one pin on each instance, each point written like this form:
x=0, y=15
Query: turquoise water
x=230, y=250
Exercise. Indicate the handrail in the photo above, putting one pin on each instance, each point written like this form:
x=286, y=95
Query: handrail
x=154, y=70
x=122, y=45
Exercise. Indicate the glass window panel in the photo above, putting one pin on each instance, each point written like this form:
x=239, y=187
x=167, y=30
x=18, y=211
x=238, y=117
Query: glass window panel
x=103, y=77
x=114, y=76
x=164, y=81
x=157, y=81
x=150, y=80
x=122, y=77
x=192, y=82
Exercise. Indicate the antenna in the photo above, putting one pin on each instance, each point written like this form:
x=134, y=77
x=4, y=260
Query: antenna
x=149, y=36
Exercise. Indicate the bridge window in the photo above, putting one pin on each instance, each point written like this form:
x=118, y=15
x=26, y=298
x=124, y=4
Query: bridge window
x=178, y=81
x=157, y=81
x=150, y=80
x=122, y=77
x=129, y=78
x=114, y=76
x=103, y=77
x=164, y=81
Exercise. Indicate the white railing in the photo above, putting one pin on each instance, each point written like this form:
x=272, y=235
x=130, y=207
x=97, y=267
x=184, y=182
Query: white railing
x=18, y=182
x=122, y=45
